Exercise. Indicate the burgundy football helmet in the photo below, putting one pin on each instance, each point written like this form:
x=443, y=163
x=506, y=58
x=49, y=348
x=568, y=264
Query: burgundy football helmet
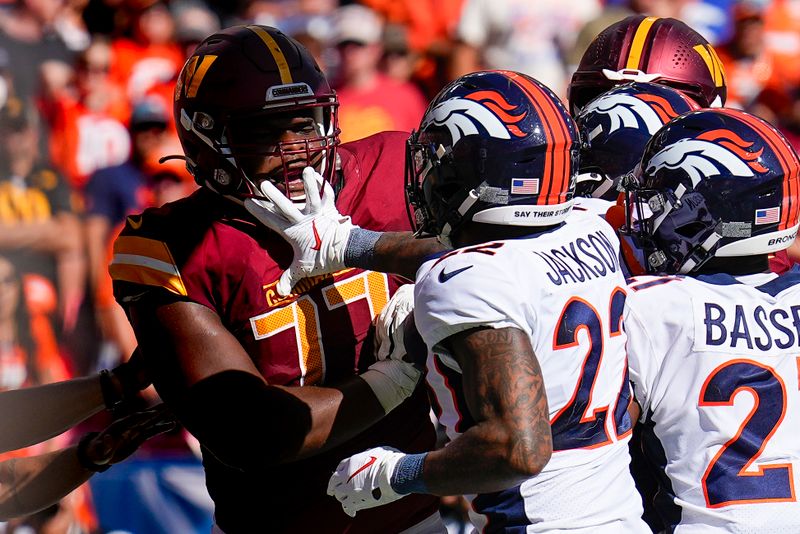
x=649, y=49
x=235, y=95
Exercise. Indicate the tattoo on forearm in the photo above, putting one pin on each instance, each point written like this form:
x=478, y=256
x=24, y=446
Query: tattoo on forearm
x=401, y=253
x=511, y=387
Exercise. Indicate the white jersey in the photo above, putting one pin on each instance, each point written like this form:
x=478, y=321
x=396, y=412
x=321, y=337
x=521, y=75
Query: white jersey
x=564, y=289
x=714, y=363
x=598, y=206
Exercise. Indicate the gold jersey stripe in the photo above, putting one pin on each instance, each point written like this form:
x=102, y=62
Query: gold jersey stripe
x=143, y=246
x=146, y=261
x=277, y=53
x=139, y=274
x=639, y=39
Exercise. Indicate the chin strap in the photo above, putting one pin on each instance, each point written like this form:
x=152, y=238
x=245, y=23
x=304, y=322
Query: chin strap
x=700, y=254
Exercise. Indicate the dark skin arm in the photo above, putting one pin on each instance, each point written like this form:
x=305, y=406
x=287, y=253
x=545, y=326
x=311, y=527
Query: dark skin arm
x=634, y=411
x=511, y=440
x=192, y=355
x=400, y=253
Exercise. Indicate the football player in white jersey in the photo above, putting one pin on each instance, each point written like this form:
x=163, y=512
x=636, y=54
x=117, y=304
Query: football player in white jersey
x=714, y=342
x=524, y=318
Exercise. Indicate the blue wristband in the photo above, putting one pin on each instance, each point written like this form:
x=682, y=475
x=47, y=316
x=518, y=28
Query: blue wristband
x=407, y=476
x=360, y=248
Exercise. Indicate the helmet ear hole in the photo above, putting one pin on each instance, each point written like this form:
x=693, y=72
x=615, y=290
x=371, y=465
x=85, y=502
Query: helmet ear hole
x=691, y=229
x=448, y=191
x=209, y=173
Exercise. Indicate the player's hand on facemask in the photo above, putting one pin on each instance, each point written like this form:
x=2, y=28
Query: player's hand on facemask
x=364, y=479
x=318, y=233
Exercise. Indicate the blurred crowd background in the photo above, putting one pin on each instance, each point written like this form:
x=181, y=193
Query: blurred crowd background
x=86, y=112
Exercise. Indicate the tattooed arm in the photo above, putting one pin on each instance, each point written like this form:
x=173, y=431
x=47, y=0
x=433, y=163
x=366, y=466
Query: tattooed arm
x=509, y=443
x=401, y=253
x=505, y=394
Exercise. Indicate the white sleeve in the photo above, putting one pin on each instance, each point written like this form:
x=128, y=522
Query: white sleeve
x=466, y=291
x=643, y=362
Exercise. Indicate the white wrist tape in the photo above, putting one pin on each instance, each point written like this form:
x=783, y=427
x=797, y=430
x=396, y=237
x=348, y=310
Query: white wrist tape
x=392, y=382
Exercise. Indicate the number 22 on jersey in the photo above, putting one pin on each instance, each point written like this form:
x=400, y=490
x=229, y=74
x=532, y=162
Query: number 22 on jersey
x=574, y=426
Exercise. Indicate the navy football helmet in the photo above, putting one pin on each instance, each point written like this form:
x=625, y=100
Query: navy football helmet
x=649, y=49
x=493, y=147
x=615, y=127
x=712, y=183
x=233, y=90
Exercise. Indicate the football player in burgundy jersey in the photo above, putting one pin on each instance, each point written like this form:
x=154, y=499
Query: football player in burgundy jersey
x=227, y=352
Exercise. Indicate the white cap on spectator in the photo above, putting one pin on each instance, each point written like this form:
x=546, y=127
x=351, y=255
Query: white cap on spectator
x=194, y=22
x=357, y=23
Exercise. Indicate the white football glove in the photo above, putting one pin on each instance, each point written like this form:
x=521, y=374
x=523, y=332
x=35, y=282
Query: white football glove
x=391, y=322
x=364, y=480
x=318, y=233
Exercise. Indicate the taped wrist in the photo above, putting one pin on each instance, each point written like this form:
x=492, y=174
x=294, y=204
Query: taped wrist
x=360, y=248
x=113, y=397
x=83, y=455
x=407, y=475
x=391, y=381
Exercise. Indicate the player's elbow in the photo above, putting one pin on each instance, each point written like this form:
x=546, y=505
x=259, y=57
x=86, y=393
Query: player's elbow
x=529, y=449
x=244, y=423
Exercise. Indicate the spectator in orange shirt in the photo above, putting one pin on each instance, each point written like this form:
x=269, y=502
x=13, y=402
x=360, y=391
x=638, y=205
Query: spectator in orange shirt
x=87, y=121
x=782, y=35
x=369, y=101
x=428, y=26
x=748, y=67
x=151, y=55
x=29, y=357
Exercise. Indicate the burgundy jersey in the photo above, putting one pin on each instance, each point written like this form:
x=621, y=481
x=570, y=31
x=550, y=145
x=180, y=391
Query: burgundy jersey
x=208, y=250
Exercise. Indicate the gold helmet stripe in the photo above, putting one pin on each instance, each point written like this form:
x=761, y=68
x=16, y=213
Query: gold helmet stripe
x=277, y=53
x=639, y=39
x=713, y=63
x=198, y=75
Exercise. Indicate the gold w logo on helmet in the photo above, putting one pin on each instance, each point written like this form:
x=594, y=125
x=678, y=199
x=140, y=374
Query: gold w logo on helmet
x=713, y=63
x=192, y=76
